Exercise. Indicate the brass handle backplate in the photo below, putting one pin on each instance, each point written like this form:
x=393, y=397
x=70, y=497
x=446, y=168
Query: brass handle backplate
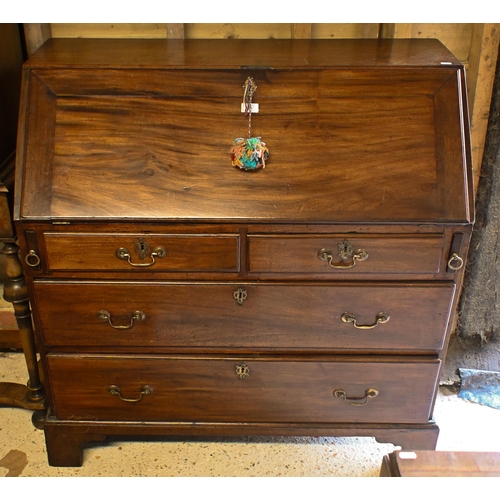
x=32, y=259
x=350, y=318
x=135, y=316
x=360, y=401
x=146, y=390
x=327, y=255
x=124, y=254
x=456, y=262
x=142, y=249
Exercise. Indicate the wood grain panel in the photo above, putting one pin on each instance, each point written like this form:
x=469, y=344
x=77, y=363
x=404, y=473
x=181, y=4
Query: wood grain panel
x=208, y=390
x=36, y=138
x=275, y=83
x=453, y=162
x=177, y=153
x=197, y=315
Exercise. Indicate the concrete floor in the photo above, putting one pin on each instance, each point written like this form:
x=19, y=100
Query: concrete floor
x=464, y=426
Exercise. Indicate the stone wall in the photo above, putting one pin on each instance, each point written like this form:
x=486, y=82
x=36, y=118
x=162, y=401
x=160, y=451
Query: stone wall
x=479, y=312
x=476, y=342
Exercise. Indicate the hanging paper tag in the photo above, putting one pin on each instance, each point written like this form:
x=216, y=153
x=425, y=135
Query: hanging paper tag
x=254, y=107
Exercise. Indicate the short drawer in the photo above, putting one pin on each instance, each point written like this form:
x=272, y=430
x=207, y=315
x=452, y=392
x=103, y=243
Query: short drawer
x=345, y=255
x=241, y=389
x=148, y=252
x=245, y=315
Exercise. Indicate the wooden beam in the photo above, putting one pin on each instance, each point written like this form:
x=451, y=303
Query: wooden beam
x=396, y=30
x=35, y=35
x=370, y=30
x=301, y=30
x=175, y=30
x=403, y=30
x=480, y=76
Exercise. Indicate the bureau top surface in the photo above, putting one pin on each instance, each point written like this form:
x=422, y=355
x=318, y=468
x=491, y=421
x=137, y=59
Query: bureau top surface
x=357, y=131
x=240, y=53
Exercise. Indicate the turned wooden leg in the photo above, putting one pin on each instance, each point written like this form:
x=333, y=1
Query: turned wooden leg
x=31, y=396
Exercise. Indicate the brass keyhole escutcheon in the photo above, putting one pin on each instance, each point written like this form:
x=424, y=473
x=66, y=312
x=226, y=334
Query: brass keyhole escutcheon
x=344, y=250
x=242, y=370
x=240, y=296
x=142, y=248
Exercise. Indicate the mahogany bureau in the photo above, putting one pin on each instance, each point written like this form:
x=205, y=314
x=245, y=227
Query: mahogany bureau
x=175, y=293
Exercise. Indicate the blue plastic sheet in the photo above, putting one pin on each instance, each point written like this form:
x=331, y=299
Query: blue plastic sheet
x=480, y=386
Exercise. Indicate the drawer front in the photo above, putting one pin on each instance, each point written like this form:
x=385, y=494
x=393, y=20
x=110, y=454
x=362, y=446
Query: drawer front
x=147, y=252
x=241, y=390
x=345, y=255
x=244, y=316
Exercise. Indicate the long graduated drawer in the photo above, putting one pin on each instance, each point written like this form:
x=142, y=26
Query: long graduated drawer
x=198, y=389
x=243, y=316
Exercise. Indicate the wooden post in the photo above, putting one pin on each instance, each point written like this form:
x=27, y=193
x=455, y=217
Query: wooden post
x=396, y=30
x=480, y=76
x=175, y=30
x=301, y=30
x=370, y=30
x=35, y=35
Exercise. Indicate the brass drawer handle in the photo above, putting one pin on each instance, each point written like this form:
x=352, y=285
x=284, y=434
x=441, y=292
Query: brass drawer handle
x=456, y=262
x=114, y=390
x=369, y=393
x=350, y=318
x=327, y=255
x=124, y=254
x=32, y=259
x=135, y=316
